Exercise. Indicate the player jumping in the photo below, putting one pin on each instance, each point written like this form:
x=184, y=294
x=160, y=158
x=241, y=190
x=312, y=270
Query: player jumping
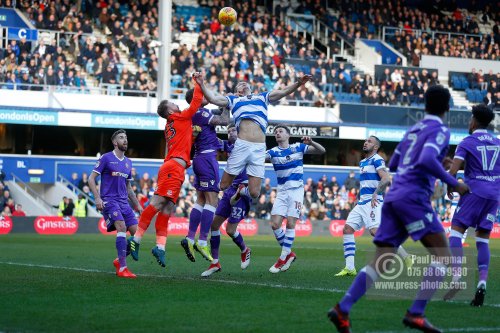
x=287, y=160
x=250, y=115
x=178, y=134
x=374, y=180
x=477, y=209
x=407, y=211
x=206, y=170
x=233, y=214
x=112, y=198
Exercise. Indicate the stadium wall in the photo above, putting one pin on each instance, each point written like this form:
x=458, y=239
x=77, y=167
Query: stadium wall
x=46, y=169
x=178, y=226
x=447, y=64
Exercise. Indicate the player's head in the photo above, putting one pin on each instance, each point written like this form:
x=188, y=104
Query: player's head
x=243, y=89
x=437, y=100
x=119, y=140
x=166, y=108
x=372, y=144
x=189, y=97
x=282, y=133
x=232, y=133
x=481, y=117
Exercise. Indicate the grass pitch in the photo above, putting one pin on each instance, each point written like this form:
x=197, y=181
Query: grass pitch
x=67, y=284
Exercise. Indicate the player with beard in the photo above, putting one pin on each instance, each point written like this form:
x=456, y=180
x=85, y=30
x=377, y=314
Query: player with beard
x=115, y=170
x=373, y=181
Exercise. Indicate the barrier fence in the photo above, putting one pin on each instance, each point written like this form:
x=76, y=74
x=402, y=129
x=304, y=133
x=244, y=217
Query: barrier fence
x=178, y=226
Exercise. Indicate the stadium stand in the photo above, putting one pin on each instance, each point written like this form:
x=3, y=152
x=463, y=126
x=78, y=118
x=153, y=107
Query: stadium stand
x=116, y=50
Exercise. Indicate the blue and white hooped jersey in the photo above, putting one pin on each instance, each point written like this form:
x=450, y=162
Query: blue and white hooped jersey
x=369, y=178
x=288, y=164
x=253, y=107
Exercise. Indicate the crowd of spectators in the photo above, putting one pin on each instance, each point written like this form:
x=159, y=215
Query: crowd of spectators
x=364, y=19
x=7, y=205
x=258, y=48
x=479, y=86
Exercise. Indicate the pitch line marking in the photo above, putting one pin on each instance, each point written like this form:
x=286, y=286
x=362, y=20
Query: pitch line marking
x=186, y=278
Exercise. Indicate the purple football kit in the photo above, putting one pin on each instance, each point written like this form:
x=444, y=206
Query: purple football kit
x=407, y=209
x=478, y=209
x=206, y=144
x=115, y=173
x=235, y=213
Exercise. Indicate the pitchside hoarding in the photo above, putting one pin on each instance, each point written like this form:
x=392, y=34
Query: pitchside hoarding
x=178, y=226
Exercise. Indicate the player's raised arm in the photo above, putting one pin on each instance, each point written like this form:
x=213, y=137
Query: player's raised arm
x=211, y=96
x=197, y=98
x=277, y=94
x=222, y=119
x=313, y=146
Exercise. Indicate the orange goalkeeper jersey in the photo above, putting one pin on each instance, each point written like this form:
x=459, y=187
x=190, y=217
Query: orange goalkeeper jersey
x=179, y=132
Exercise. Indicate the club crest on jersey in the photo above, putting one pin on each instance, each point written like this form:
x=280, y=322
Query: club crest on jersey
x=115, y=213
x=440, y=138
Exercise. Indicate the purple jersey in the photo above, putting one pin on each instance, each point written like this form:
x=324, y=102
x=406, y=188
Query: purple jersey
x=206, y=141
x=417, y=160
x=114, y=176
x=480, y=152
x=242, y=177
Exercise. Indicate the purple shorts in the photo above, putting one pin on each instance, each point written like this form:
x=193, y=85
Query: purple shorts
x=206, y=173
x=235, y=213
x=412, y=217
x=474, y=211
x=118, y=211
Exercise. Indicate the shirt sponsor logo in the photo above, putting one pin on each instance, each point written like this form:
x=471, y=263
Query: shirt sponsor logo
x=5, y=225
x=56, y=225
x=415, y=226
x=119, y=174
x=204, y=184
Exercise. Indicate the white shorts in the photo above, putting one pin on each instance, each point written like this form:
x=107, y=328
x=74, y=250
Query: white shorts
x=249, y=155
x=365, y=215
x=289, y=202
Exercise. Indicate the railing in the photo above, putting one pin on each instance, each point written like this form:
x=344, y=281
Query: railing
x=390, y=31
x=33, y=194
x=75, y=189
x=318, y=31
x=60, y=36
x=102, y=89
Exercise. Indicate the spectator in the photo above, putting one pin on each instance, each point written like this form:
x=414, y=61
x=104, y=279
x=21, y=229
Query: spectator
x=351, y=182
x=84, y=181
x=69, y=208
x=18, y=210
x=263, y=208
